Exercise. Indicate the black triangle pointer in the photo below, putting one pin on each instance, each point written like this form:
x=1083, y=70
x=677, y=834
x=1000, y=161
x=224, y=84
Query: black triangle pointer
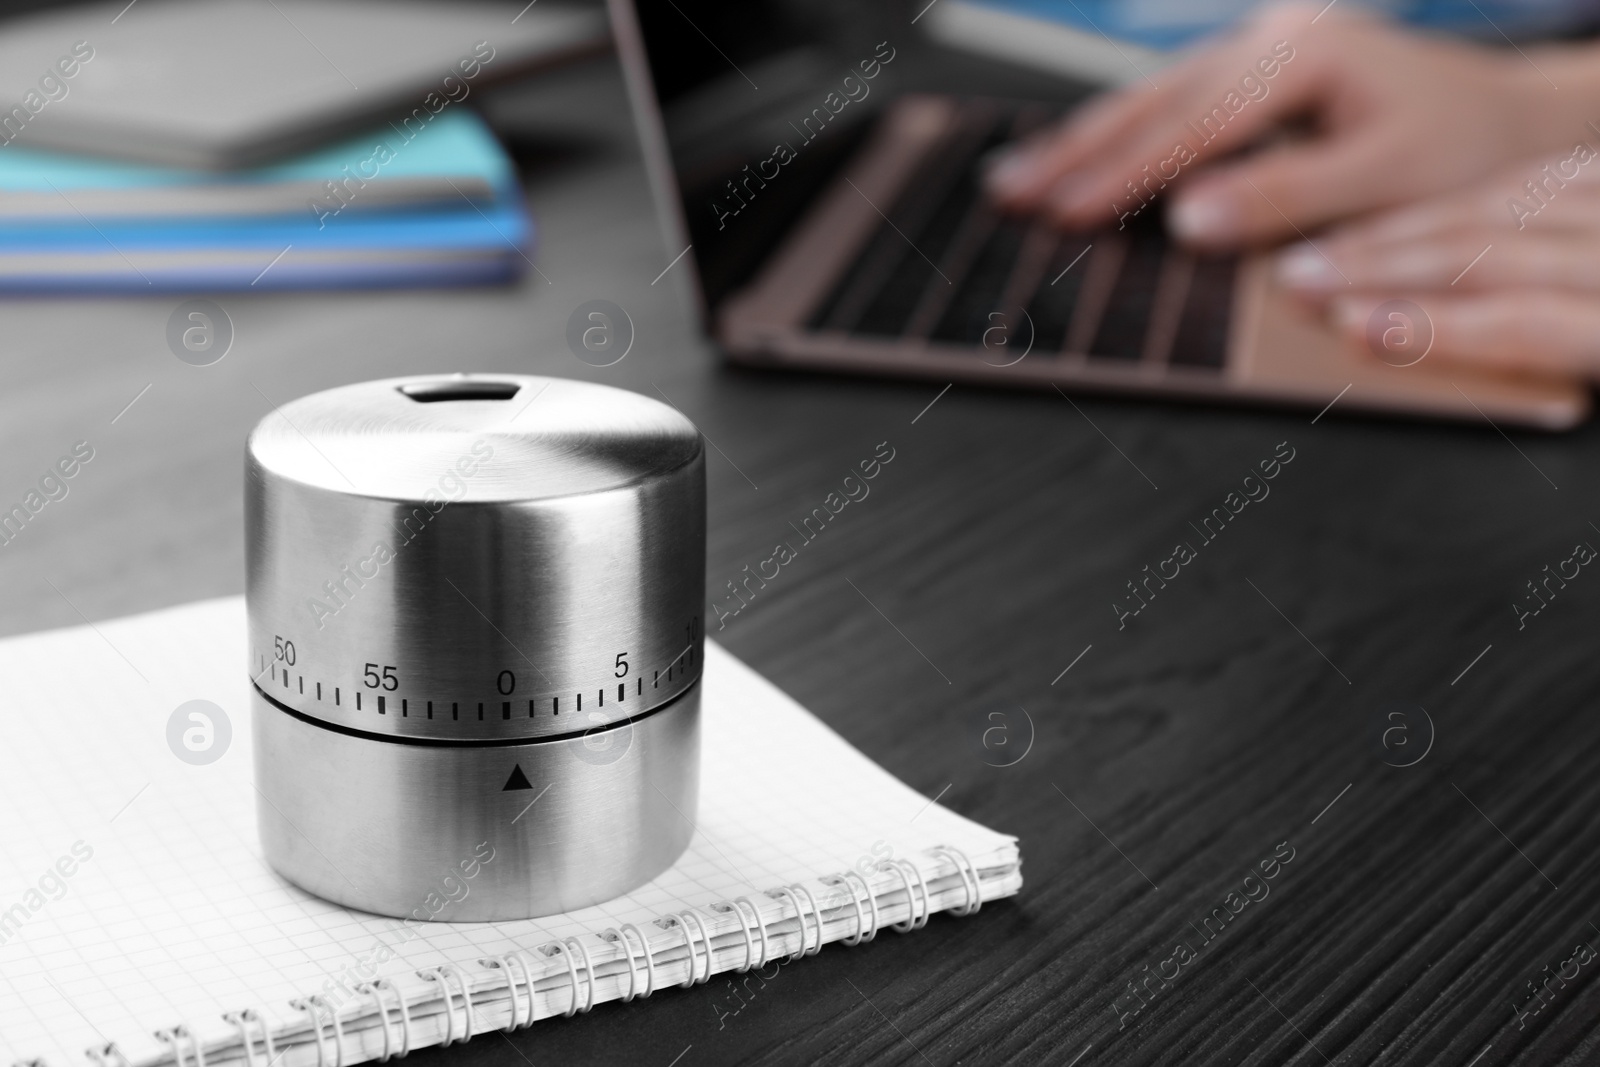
x=518, y=780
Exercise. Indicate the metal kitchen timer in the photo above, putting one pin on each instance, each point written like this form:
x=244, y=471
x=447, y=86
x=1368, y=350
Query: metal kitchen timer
x=475, y=626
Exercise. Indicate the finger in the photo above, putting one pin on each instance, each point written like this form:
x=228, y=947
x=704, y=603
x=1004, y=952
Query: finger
x=1574, y=207
x=1472, y=260
x=1284, y=192
x=1517, y=330
x=1023, y=177
x=1212, y=105
x=1478, y=209
x=1502, y=205
x=1180, y=143
x=1327, y=267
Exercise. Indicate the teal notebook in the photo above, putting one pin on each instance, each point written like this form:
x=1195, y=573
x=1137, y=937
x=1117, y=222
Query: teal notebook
x=453, y=155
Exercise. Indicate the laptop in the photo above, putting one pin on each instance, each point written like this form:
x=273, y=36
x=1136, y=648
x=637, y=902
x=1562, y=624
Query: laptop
x=820, y=167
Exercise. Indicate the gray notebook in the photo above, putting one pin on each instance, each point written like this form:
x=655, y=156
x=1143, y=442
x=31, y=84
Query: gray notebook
x=223, y=84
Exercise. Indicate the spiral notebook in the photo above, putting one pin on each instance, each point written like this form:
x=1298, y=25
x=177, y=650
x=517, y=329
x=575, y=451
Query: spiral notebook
x=139, y=925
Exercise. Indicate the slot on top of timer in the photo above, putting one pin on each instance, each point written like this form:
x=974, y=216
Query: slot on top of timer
x=459, y=389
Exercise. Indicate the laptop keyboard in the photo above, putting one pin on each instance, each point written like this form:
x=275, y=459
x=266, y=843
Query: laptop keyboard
x=944, y=268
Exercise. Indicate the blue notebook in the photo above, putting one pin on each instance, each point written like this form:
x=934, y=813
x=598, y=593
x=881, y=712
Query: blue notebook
x=412, y=204
x=1162, y=25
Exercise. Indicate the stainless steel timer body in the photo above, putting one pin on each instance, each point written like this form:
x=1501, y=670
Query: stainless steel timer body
x=475, y=642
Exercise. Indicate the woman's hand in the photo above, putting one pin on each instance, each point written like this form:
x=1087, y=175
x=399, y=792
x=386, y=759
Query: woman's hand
x=1506, y=275
x=1394, y=116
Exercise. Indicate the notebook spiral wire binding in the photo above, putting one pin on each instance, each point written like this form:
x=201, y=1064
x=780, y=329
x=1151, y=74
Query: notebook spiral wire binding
x=556, y=948
x=504, y=963
x=788, y=893
x=907, y=870
x=737, y=907
x=688, y=942
x=964, y=867
x=565, y=948
x=174, y=1039
x=314, y=1006
x=863, y=933
x=375, y=990
x=243, y=1019
x=442, y=975
x=621, y=937
x=808, y=918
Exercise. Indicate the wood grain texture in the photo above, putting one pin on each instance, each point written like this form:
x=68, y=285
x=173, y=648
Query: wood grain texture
x=1176, y=753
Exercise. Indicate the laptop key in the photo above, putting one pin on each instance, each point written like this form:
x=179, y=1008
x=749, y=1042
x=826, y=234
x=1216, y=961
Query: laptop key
x=975, y=307
x=860, y=294
x=1202, y=341
x=1052, y=305
x=1127, y=313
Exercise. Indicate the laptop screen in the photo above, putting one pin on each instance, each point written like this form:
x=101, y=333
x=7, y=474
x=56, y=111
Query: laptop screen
x=761, y=101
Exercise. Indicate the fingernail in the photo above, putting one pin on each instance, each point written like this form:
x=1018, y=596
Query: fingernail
x=1011, y=173
x=1205, y=218
x=1303, y=267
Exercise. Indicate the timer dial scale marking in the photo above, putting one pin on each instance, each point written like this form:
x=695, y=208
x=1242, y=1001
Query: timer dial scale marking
x=434, y=504
x=688, y=659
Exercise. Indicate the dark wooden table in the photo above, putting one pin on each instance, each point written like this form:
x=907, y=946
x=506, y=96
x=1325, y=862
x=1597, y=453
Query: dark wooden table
x=1239, y=717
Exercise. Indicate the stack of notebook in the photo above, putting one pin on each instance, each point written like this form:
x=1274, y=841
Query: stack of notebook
x=139, y=925
x=265, y=144
x=414, y=204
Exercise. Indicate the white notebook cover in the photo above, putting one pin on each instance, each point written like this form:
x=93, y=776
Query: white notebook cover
x=169, y=918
